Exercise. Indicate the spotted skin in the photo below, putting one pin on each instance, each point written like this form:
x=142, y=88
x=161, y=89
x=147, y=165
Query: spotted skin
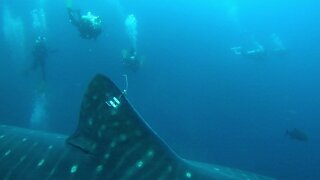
x=111, y=142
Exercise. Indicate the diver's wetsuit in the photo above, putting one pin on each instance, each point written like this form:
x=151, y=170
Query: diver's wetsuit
x=131, y=59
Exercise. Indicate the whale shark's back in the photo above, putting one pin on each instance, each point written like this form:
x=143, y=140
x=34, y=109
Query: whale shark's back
x=111, y=142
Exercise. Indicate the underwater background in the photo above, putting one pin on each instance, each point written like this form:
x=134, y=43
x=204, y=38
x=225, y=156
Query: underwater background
x=208, y=103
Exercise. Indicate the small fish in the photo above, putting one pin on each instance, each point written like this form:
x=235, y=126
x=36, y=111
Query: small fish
x=298, y=135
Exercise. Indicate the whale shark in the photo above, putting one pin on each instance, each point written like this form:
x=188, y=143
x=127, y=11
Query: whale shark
x=111, y=142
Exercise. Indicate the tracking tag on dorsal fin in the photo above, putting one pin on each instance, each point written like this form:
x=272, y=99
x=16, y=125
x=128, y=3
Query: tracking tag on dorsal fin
x=108, y=123
x=99, y=111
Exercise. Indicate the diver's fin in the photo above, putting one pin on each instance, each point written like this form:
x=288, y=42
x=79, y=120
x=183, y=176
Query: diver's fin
x=108, y=123
x=68, y=3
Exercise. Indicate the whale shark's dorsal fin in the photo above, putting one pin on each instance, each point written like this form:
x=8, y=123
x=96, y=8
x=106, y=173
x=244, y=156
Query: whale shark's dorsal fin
x=97, y=120
x=109, y=126
x=112, y=131
x=107, y=120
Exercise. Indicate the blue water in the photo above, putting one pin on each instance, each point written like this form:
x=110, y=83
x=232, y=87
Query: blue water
x=206, y=102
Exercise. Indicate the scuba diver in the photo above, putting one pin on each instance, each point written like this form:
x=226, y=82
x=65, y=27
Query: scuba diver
x=40, y=53
x=131, y=59
x=257, y=52
x=88, y=25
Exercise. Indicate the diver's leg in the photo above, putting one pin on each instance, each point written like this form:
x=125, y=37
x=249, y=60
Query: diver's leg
x=43, y=69
x=35, y=64
x=72, y=13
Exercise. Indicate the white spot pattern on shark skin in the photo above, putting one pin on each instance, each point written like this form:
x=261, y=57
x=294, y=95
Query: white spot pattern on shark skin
x=41, y=162
x=74, y=169
x=124, y=157
x=106, y=156
x=140, y=164
x=7, y=152
x=188, y=175
x=22, y=158
x=53, y=170
x=99, y=168
x=45, y=156
x=150, y=153
x=2, y=136
x=113, y=144
x=94, y=146
x=24, y=139
x=90, y=121
x=123, y=137
x=101, y=130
